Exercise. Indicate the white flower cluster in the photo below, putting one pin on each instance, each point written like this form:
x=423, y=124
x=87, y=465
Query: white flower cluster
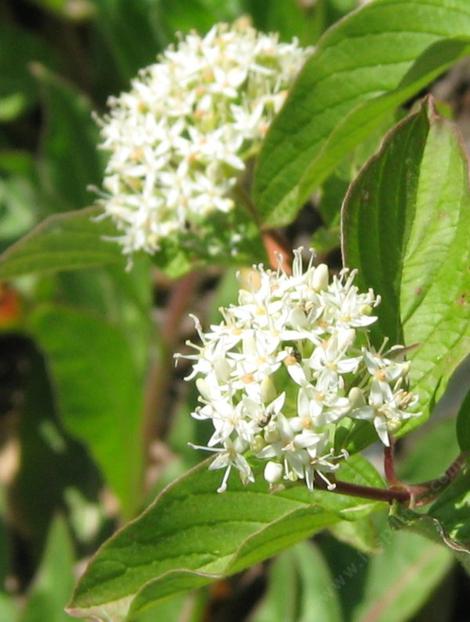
x=288, y=363
x=181, y=138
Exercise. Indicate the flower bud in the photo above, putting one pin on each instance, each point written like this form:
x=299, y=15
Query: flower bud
x=268, y=390
x=356, y=398
x=204, y=388
x=273, y=472
x=320, y=277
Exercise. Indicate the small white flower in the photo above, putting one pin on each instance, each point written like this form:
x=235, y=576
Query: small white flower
x=285, y=365
x=386, y=409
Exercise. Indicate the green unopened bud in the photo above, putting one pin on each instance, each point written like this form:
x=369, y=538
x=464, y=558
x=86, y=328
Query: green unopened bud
x=320, y=277
x=356, y=398
x=268, y=390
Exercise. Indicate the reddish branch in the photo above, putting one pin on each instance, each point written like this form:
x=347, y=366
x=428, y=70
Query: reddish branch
x=159, y=375
x=413, y=495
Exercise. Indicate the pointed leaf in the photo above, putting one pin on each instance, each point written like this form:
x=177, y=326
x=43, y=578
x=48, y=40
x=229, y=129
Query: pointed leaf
x=192, y=535
x=69, y=160
x=20, y=47
x=390, y=586
x=363, y=67
x=400, y=580
x=405, y=226
x=298, y=582
x=68, y=241
x=97, y=392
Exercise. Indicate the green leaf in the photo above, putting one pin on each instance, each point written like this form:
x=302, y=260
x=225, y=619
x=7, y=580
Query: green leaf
x=428, y=456
x=289, y=18
x=446, y=521
x=54, y=581
x=97, y=392
x=298, y=581
x=452, y=510
x=192, y=535
x=391, y=586
x=50, y=460
x=186, y=15
x=180, y=608
x=400, y=580
x=63, y=242
x=363, y=67
x=279, y=603
x=19, y=48
x=363, y=534
x=405, y=225
x=124, y=298
x=69, y=158
x=116, y=24
x=463, y=424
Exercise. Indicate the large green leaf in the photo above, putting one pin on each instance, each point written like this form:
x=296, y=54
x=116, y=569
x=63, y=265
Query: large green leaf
x=363, y=67
x=97, y=392
x=400, y=580
x=191, y=535
x=126, y=31
x=69, y=158
x=18, y=49
x=122, y=297
x=391, y=586
x=63, y=242
x=54, y=581
x=50, y=461
x=405, y=226
x=298, y=582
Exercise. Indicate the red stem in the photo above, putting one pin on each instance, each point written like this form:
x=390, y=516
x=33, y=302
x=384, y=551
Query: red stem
x=366, y=492
x=413, y=495
x=389, y=465
x=159, y=375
